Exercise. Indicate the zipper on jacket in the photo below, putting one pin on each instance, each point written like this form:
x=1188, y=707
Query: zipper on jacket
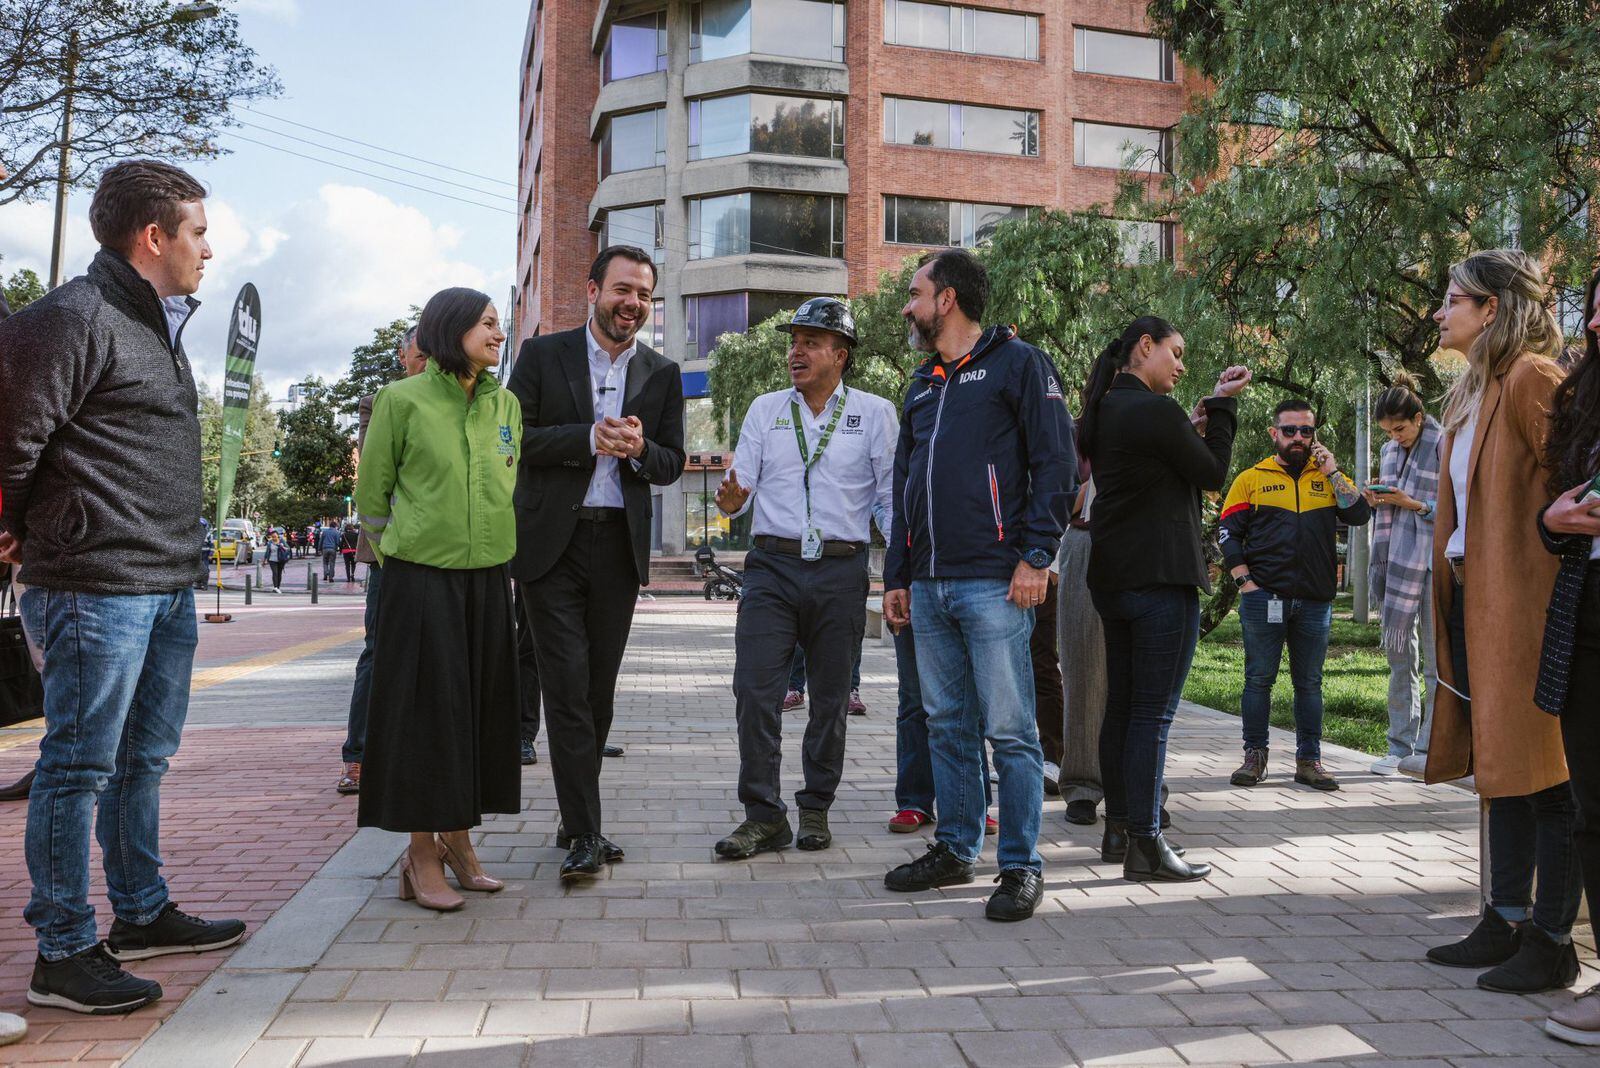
x=994, y=502
x=933, y=441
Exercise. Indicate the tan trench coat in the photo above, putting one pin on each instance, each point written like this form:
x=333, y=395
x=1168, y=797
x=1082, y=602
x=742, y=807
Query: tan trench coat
x=1507, y=743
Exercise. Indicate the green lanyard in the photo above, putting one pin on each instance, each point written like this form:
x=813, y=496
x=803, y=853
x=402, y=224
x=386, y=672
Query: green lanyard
x=808, y=458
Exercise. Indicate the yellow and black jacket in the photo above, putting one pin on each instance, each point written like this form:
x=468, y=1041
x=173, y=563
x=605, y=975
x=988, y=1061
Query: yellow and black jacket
x=1282, y=528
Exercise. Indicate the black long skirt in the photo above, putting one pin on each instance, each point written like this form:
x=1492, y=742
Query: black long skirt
x=443, y=741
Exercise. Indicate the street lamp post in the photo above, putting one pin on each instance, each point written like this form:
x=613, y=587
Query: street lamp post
x=58, y=241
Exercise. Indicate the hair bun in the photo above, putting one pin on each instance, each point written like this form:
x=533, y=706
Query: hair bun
x=1406, y=380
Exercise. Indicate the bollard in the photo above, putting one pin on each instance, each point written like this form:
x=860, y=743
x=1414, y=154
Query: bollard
x=309, y=573
x=312, y=577
x=247, y=588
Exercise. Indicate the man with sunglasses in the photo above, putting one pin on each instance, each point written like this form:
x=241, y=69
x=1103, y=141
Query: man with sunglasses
x=1278, y=542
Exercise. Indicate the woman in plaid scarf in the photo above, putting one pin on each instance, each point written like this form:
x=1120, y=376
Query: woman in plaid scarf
x=1402, y=562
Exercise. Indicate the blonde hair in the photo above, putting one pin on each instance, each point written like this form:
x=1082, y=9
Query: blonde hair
x=1522, y=323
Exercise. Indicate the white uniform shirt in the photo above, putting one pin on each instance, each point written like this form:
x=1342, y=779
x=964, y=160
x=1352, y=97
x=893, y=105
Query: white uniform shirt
x=852, y=485
x=607, y=377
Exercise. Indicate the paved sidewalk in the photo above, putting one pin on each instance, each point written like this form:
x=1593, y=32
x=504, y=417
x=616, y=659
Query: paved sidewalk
x=1305, y=946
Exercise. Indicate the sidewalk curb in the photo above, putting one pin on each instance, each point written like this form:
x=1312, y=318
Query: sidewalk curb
x=225, y=1016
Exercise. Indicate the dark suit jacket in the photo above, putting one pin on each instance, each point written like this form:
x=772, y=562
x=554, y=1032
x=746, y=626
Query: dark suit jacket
x=551, y=379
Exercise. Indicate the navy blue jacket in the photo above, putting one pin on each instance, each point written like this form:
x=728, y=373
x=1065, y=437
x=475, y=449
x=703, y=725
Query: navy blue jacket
x=986, y=466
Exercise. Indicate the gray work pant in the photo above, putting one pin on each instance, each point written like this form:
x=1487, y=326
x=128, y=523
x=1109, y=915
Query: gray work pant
x=821, y=605
x=1411, y=704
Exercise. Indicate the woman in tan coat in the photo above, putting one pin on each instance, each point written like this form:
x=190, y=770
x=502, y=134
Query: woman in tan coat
x=1491, y=581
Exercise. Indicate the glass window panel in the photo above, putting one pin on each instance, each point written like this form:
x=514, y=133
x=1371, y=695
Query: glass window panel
x=631, y=142
x=1144, y=242
x=789, y=224
x=998, y=33
x=700, y=430
x=1123, y=54
x=640, y=226
x=764, y=306
x=1101, y=145
x=712, y=316
x=914, y=221
x=917, y=122
x=1000, y=130
x=634, y=47
x=720, y=226
x=724, y=127
x=802, y=28
x=918, y=25
x=791, y=126
x=985, y=217
x=724, y=29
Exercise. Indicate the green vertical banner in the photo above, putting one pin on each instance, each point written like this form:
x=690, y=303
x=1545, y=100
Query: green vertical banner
x=244, y=331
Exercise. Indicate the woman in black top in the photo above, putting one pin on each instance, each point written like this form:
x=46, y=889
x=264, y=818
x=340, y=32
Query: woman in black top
x=1145, y=563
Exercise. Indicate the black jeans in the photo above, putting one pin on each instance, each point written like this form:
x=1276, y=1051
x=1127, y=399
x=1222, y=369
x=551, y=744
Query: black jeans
x=277, y=572
x=527, y=665
x=355, y=738
x=1150, y=638
x=1528, y=834
x=1580, y=734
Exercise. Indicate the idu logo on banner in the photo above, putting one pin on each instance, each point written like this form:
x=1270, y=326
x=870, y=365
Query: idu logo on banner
x=248, y=328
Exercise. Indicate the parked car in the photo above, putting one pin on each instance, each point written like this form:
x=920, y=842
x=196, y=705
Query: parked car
x=231, y=545
x=247, y=528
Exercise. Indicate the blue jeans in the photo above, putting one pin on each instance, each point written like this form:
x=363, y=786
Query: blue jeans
x=355, y=739
x=1305, y=630
x=913, y=784
x=116, y=692
x=1150, y=638
x=977, y=680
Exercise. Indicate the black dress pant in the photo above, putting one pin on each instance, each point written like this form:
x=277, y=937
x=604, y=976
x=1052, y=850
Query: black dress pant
x=1580, y=733
x=582, y=609
x=527, y=666
x=821, y=605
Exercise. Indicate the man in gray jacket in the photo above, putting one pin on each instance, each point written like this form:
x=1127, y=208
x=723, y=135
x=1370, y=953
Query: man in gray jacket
x=100, y=472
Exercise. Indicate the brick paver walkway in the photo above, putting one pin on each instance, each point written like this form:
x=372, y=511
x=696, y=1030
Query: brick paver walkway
x=1305, y=945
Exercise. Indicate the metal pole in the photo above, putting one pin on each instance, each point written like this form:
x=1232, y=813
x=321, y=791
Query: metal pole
x=1360, y=543
x=58, y=241
x=312, y=575
x=247, y=588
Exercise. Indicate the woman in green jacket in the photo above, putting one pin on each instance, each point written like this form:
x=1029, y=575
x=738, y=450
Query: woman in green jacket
x=434, y=494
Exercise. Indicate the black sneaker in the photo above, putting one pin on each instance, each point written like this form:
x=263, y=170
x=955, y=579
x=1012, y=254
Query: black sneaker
x=174, y=931
x=90, y=982
x=937, y=867
x=1021, y=890
x=529, y=756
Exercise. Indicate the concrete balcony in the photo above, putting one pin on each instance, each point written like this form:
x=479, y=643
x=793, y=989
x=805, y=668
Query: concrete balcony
x=812, y=77
x=628, y=94
x=647, y=186
x=810, y=275
x=755, y=170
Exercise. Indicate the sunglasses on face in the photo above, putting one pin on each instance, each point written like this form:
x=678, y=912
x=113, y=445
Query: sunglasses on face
x=1297, y=431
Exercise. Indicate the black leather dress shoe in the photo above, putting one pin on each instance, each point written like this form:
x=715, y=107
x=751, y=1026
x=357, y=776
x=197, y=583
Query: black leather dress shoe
x=586, y=857
x=613, y=852
x=611, y=750
x=1152, y=860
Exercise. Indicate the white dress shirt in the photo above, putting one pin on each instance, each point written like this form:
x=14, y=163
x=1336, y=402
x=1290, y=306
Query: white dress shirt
x=607, y=378
x=1460, y=461
x=852, y=485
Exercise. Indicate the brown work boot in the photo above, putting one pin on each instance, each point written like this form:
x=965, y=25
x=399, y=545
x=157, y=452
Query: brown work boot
x=1253, y=770
x=1312, y=773
x=350, y=781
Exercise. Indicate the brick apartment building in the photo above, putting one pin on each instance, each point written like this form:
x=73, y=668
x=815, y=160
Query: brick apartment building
x=770, y=150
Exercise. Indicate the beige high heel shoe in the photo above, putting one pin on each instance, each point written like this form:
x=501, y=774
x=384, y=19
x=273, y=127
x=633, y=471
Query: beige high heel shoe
x=409, y=891
x=480, y=882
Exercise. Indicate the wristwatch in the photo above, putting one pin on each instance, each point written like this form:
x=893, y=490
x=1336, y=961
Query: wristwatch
x=1038, y=558
x=1241, y=581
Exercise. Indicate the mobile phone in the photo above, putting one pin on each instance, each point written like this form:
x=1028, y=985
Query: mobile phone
x=1593, y=492
x=1379, y=487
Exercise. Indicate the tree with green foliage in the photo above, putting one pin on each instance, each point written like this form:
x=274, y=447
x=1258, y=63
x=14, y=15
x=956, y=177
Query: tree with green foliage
x=318, y=458
x=259, y=477
x=373, y=365
x=23, y=289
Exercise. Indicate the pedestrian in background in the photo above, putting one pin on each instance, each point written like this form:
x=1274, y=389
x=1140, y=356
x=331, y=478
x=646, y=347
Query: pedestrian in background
x=1082, y=656
x=796, y=695
x=1492, y=581
x=434, y=491
x=95, y=371
x=1569, y=667
x=347, y=551
x=1400, y=575
x=412, y=363
x=329, y=540
x=277, y=554
x=983, y=480
x=1145, y=565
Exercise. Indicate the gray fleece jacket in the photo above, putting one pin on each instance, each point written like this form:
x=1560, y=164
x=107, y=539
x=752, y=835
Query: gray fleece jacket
x=100, y=438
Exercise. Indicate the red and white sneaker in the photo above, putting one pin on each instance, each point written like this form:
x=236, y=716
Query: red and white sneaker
x=907, y=820
x=856, y=707
x=793, y=700
x=991, y=825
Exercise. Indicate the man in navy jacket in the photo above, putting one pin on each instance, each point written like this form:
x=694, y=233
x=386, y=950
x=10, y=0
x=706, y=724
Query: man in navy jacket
x=983, y=479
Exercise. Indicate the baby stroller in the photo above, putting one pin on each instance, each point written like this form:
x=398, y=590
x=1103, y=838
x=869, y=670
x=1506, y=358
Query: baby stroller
x=722, y=583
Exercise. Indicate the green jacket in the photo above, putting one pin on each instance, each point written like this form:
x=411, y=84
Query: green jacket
x=436, y=476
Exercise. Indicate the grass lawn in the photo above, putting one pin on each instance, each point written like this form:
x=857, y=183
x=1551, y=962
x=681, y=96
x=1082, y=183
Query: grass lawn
x=1355, y=681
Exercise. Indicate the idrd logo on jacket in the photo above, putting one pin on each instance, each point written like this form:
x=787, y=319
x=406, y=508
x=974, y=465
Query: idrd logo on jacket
x=974, y=376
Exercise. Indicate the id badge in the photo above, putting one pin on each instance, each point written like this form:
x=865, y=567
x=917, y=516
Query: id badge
x=1274, y=610
x=811, y=544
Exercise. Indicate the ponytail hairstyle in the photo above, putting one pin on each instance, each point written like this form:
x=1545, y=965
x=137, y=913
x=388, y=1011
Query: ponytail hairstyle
x=1523, y=324
x=1571, y=449
x=1113, y=360
x=1402, y=400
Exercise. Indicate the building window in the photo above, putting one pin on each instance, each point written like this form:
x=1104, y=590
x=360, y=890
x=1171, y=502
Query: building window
x=758, y=122
x=951, y=28
x=1124, y=54
x=633, y=47
x=1144, y=242
x=654, y=332
x=936, y=124
x=791, y=224
x=930, y=223
x=707, y=318
x=643, y=226
x=633, y=142
x=805, y=29
x=1096, y=144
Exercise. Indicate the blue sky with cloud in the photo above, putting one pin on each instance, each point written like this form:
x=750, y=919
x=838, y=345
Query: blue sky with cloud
x=333, y=252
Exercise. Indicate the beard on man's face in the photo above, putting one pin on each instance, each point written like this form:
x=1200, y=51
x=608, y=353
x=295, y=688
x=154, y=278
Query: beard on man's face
x=605, y=319
x=1294, y=453
x=923, y=334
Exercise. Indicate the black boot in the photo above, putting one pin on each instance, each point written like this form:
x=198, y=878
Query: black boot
x=1151, y=860
x=1541, y=963
x=1493, y=941
x=1114, y=843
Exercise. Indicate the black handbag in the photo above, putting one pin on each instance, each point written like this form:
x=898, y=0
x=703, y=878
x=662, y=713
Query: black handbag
x=21, y=691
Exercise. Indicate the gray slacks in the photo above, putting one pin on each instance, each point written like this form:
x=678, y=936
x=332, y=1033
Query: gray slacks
x=1411, y=704
x=1083, y=671
x=821, y=605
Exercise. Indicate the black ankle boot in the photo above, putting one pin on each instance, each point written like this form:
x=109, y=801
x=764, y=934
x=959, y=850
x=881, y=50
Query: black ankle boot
x=1541, y=963
x=1114, y=843
x=1493, y=941
x=1151, y=860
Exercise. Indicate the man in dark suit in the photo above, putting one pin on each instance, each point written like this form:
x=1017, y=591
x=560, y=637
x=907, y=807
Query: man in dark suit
x=602, y=419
